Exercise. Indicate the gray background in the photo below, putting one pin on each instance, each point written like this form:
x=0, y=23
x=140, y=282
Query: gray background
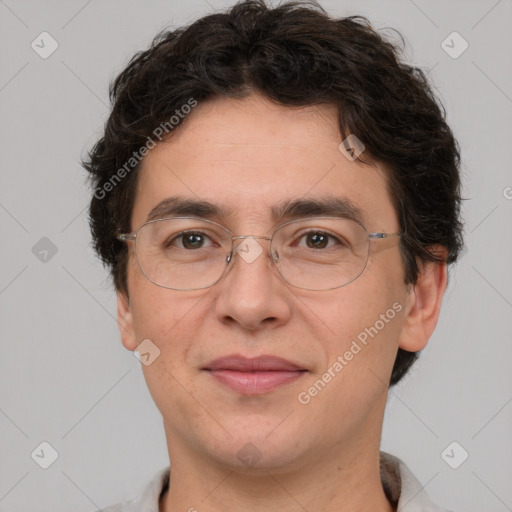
x=65, y=377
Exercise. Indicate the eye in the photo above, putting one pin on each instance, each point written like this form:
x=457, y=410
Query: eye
x=318, y=240
x=188, y=240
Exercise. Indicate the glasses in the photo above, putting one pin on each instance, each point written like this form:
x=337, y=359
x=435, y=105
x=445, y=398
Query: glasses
x=188, y=253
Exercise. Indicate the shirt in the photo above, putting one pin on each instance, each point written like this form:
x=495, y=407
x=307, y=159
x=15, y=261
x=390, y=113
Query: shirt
x=401, y=487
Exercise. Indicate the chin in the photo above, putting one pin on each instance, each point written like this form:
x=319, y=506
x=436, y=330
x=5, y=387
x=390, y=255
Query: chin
x=254, y=448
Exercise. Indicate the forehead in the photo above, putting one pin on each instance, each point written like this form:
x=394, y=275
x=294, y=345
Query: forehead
x=249, y=155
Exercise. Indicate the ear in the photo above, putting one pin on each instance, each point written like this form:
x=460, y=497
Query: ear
x=424, y=304
x=125, y=321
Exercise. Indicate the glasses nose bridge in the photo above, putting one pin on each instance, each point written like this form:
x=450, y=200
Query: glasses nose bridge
x=253, y=237
x=259, y=237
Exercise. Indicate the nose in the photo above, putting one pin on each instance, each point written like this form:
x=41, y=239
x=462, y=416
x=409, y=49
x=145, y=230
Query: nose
x=251, y=294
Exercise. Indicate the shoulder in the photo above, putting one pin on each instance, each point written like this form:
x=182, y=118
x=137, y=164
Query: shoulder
x=148, y=501
x=405, y=486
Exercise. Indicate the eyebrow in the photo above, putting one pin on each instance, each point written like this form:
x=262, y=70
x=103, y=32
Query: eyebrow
x=331, y=206
x=178, y=206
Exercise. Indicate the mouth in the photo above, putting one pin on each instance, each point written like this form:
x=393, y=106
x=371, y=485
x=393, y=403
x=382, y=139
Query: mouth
x=254, y=376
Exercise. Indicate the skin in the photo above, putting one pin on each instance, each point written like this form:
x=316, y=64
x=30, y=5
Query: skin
x=324, y=456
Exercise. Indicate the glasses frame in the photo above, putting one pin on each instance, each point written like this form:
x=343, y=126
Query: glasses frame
x=132, y=237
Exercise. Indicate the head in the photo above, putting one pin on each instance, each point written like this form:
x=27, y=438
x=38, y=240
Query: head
x=246, y=110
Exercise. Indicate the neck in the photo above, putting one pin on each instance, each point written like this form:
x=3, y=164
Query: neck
x=345, y=479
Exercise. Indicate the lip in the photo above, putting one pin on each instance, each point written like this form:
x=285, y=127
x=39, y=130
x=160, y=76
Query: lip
x=254, y=376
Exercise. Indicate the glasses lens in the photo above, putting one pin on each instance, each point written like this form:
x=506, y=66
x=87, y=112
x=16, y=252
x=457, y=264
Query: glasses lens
x=315, y=254
x=321, y=253
x=182, y=253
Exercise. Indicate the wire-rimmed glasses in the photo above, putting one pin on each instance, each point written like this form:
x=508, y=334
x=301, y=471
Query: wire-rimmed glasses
x=189, y=253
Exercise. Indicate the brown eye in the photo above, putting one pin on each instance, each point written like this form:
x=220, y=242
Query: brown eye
x=317, y=240
x=192, y=240
x=189, y=240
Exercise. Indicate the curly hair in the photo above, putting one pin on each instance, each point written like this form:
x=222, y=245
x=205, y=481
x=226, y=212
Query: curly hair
x=296, y=55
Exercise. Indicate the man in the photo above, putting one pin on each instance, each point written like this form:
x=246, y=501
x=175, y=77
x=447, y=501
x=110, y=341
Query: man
x=277, y=198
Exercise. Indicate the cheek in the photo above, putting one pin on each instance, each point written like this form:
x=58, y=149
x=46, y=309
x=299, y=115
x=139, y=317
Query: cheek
x=160, y=314
x=367, y=319
x=368, y=316
x=170, y=320
x=368, y=332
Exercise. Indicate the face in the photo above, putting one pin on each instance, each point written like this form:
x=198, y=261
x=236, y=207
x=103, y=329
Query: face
x=246, y=156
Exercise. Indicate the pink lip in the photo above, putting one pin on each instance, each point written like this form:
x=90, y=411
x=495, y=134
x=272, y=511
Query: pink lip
x=254, y=376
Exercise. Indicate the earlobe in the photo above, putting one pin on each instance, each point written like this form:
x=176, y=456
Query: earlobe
x=125, y=322
x=423, y=306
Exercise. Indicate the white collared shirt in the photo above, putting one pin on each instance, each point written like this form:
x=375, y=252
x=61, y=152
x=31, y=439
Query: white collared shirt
x=400, y=485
